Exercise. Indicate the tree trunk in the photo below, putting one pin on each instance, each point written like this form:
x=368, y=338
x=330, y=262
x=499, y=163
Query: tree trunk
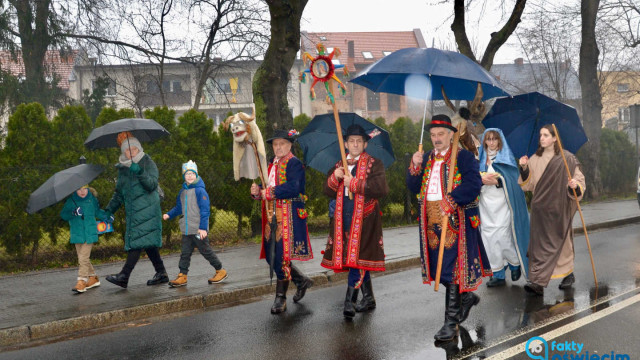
x=34, y=42
x=591, y=98
x=497, y=38
x=272, y=77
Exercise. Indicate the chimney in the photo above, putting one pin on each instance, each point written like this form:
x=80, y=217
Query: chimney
x=351, y=55
x=519, y=61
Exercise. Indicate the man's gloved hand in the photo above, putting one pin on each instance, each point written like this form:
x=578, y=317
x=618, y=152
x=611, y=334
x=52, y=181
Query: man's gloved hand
x=135, y=168
x=78, y=211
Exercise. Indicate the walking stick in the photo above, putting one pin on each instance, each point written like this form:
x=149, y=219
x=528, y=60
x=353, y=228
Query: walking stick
x=575, y=195
x=444, y=225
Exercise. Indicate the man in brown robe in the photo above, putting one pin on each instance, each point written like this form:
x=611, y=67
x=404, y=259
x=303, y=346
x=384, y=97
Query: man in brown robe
x=355, y=240
x=553, y=206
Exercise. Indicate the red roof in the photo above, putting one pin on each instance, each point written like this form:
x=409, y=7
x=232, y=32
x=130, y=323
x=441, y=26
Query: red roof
x=61, y=66
x=375, y=43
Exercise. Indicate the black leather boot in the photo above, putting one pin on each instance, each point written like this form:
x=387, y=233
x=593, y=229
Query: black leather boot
x=469, y=299
x=280, y=303
x=452, y=315
x=350, y=302
x=302, y=283
x=158, y=278
x=368, y=302
x=120, y=279
x=567, y=282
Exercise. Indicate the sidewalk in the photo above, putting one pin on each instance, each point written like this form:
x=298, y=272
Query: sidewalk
x=40, y=305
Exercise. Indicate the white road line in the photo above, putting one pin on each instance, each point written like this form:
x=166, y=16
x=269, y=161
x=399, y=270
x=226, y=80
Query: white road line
x=520, y=348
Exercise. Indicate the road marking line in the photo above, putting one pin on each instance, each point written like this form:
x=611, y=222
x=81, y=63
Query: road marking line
x=549, y=321
x=520, y=348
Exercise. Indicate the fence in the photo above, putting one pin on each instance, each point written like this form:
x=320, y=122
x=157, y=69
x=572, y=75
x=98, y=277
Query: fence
x=235, y=217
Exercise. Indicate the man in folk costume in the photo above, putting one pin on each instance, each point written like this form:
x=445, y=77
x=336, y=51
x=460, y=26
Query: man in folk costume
x=465, y=261
x=355, y=239
x=285, y=192
x=553, y=206
x=503, y=210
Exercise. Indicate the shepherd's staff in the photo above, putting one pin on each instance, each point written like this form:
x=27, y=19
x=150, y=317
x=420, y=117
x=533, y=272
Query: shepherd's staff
x=444, y=224
x=575, y=195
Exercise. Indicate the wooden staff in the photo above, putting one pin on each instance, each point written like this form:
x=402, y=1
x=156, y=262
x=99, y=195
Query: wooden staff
x=336, y=117
x=584, y=227
x=264, y=183
x=444, y=224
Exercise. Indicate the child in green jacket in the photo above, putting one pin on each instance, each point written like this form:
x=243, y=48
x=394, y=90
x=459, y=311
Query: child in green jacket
x=81, y=210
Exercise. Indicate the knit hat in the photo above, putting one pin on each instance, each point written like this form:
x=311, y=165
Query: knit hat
x=189, y=166
x=127, y=141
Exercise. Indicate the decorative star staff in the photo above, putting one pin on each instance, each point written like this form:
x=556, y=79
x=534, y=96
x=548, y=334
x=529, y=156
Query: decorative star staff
x=322, y=69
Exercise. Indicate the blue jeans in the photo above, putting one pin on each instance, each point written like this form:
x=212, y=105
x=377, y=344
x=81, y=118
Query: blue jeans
x=500, y=274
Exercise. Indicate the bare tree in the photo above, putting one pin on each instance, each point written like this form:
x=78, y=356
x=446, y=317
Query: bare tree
x=498, y=38
x=549, y=43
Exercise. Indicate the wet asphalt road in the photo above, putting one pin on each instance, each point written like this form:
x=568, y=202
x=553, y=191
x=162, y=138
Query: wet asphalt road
x=403, y=325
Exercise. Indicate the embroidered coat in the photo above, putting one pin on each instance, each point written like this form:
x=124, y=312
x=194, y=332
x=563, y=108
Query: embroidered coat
x=361, y=246
x=465, y=261
x=288, y=195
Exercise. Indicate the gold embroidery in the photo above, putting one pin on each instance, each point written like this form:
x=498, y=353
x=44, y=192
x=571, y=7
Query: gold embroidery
x=434, y=217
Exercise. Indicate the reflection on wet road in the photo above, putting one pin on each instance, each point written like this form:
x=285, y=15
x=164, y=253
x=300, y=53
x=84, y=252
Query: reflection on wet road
x=402, y=326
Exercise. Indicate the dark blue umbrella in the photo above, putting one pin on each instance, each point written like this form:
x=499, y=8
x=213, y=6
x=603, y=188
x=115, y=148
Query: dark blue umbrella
x=458, y=74
x=521, y=117
x=320, y=144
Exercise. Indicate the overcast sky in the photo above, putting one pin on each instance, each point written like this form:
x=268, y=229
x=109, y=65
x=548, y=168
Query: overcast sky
x=404, y=15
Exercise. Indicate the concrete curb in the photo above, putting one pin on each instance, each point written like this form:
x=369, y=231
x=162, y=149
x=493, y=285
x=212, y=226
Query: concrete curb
x=24, y=334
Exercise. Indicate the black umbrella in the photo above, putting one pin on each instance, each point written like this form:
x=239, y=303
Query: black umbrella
x=320, y=143
x=62, y=184
x=142, y=129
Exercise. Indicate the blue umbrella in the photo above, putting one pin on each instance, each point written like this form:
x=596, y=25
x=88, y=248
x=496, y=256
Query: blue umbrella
x=521, y=117
x=456, y=73
x=320, y=146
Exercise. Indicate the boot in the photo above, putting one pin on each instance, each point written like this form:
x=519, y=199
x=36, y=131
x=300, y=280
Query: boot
x=350, y=302
x=302, y=283
x=469, y=299
x=119, y=279
x=280, y=303
x=159, y=278
x=368, y=302
x=567, y=282
x=452, y=315
x=534, y=288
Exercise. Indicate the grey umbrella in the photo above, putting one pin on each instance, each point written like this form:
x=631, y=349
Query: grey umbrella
x=62, y=184
x=142, y=129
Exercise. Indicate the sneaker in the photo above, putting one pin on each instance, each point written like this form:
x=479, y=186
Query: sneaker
x=181, y=280
x=93, y=282
x=218, y=277
x=81, y=286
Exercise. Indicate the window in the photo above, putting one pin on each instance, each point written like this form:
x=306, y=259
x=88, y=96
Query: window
x=624, y=114
x=152, y=87
x=367, y=54
x=373, y=101
x=335, y=62
x=323, y=38
x=111, y=88
x=623, y=87
x=385, y=53
x=393, y=102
